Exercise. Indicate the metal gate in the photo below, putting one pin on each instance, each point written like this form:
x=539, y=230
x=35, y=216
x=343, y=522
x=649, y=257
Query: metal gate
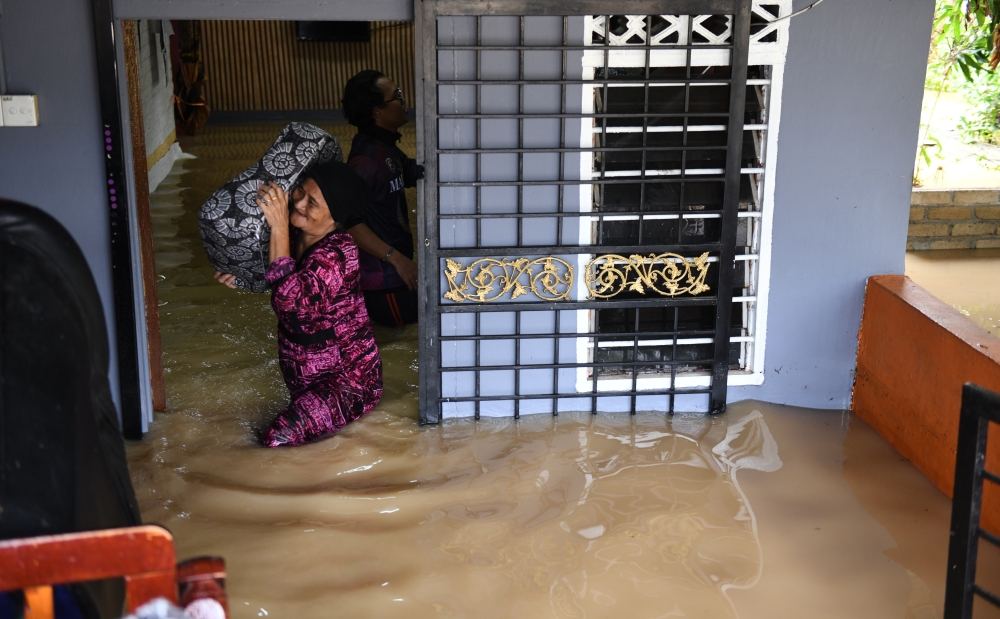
x=578, y=219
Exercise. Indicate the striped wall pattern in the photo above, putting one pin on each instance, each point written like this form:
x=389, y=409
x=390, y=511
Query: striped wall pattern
x=261, y=66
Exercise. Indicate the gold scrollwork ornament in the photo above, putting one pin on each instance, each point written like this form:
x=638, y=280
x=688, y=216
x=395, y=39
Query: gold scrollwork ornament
x=483, y=283
x=667, y=274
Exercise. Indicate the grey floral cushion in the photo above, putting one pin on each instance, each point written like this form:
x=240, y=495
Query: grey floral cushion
x=232, y=226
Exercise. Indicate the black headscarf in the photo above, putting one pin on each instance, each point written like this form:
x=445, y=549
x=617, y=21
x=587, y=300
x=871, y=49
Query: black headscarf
x=346, y=193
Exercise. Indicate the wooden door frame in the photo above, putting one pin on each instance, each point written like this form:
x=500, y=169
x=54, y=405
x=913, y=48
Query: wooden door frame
x=143, y=214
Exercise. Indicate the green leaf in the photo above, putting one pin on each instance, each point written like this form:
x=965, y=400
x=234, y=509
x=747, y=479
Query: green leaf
x=965, y=71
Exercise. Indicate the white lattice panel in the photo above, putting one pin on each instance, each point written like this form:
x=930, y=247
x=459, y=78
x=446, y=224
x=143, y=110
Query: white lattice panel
x=767, y=40
x=675, y=30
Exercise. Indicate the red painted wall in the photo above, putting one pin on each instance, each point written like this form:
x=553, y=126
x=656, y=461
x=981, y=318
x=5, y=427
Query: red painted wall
x=914, y=355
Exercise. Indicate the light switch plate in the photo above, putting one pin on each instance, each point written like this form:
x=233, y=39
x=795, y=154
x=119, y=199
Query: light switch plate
x=19, y=110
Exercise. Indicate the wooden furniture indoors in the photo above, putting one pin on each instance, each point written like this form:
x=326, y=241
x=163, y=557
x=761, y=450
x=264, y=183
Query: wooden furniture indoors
x=143, y=555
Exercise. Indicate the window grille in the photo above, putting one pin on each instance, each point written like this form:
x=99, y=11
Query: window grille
x=766, y=57
x=584, y=195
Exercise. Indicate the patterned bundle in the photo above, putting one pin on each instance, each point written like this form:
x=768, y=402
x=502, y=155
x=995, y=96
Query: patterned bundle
x=232, y=226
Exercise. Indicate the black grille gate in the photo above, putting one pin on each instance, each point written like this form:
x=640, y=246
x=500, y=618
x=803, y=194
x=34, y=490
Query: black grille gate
x=578, y=222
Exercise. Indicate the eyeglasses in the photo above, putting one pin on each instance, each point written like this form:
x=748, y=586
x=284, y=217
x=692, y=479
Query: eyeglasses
x=398, y=97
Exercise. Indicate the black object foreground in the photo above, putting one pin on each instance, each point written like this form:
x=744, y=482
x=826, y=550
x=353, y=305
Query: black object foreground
x=62, y=457
x=979, y=407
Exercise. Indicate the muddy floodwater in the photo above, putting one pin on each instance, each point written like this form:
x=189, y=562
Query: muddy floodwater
x=765, y=511
x=967, y=279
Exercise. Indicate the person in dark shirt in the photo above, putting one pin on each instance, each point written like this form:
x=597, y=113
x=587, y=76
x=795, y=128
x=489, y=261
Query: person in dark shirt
x=374, y=104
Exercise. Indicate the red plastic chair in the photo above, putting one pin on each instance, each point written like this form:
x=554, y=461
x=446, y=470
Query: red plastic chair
x=144, y=556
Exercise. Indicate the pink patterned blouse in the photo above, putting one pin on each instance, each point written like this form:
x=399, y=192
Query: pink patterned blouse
x=326, y=347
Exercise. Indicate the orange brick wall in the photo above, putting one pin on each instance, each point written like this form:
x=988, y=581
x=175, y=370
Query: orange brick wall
x=914, y=355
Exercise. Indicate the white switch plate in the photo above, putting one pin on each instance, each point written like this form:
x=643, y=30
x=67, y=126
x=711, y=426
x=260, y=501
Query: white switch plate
x=19, y=110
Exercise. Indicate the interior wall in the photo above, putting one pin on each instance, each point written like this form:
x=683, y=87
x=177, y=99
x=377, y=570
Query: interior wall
x=58, y=166
x=261, y=66
x=156, y=83
x=850, y=117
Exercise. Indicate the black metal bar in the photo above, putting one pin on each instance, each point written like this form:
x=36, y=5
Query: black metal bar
x=479, y=147
x=112, y=139
x=551, y=336
x=576, y=396
x=577, y=249
x=520, y=156
x=590, y=364
x=555, y=345
x=517, y=363
x=635, y=360
x=663, y=180
x=595, y=327
x=731, y=203
x=603, y=142
x=581, y=48
x=583, y=7
x=479, y=360
x=991, y=477
x=479, y=194
x=429, y=327
x=645, y=143
x=973, y=426
x=632, y=215
x=462, y=308
x=673, y=355
x=686, y=126
x=595, y=149
x=989, y=596
x=989, y=537
x=605, y=82
x=520, y=209
x=460, y=116
x=561, y=192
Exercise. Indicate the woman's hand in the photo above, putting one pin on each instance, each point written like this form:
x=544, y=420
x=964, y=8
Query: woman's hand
x=273, y=200
x=406, y=268
x=225, y=279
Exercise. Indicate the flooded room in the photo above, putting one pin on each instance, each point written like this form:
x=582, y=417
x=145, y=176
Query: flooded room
x=453, y=309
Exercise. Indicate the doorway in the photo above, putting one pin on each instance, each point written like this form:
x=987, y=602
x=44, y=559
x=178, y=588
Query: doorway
x=254, y=91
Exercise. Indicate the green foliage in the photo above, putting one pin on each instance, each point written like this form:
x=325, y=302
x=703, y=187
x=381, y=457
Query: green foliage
x=982, y=123
x=962, y=39
x=931, y=147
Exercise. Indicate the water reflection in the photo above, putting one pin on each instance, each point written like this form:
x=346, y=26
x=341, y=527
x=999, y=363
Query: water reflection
x=566, y=517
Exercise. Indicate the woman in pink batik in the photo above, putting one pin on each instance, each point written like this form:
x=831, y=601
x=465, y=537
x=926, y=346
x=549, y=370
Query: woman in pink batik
x=326, y=347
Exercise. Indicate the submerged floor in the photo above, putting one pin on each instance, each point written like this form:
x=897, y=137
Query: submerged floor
x=765, y=511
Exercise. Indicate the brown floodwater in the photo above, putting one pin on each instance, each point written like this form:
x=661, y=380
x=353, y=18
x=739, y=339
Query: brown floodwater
x=967, y=279
x=765, y=511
